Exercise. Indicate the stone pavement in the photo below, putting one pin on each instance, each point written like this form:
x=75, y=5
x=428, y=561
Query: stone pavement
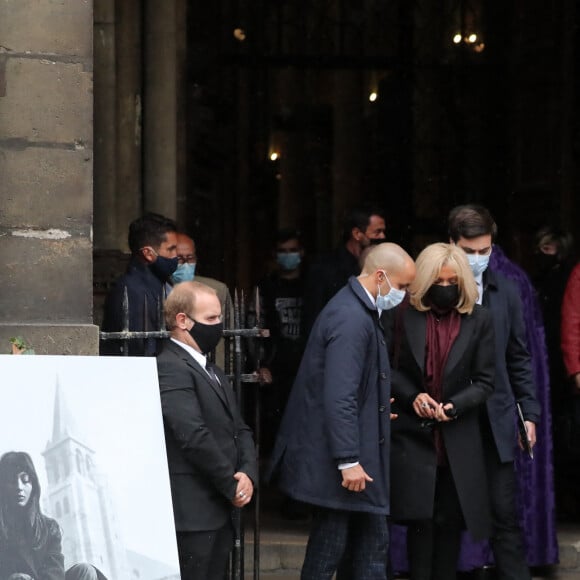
x=283, y=542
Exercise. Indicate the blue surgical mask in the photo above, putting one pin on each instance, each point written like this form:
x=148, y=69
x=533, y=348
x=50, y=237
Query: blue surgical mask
x=184, y=273
x=478, y=263
x=288, y=261
x=392, y=298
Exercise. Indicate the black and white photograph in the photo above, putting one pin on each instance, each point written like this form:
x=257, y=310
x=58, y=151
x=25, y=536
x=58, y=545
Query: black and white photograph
x=84, y=485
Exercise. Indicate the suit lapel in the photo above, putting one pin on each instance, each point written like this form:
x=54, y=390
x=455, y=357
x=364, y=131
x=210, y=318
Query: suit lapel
x=460, y=344
x=201, y=373
x=217, y=389
x=226, y=388
x=416, y=331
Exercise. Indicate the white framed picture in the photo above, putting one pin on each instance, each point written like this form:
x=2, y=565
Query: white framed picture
x=90, y=430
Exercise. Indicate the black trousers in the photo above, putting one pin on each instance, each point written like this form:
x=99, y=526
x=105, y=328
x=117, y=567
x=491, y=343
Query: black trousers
x=433, y=545
x=334, y=532
x=204, y=555
x=506, y=541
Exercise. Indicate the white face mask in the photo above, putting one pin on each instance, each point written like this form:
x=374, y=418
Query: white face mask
x=478, y=263
x=392, y=298
x=184, y=273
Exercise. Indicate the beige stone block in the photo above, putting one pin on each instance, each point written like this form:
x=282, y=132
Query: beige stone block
x=46, y=188
x=61, y=27
x=56, y=339
x=47, y=101
x=46, y=277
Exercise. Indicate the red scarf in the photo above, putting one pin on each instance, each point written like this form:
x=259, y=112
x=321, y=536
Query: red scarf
x=442, y=330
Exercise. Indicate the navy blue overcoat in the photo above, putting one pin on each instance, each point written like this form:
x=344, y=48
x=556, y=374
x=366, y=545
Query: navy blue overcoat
x=338, y=410
x=514, y=381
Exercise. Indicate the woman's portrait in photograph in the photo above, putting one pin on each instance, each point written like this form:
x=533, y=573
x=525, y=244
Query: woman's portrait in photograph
x=30, y=541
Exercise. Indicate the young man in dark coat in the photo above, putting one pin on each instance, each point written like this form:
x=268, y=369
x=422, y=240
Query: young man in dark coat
x=332, y=449
x=473, y=229
x=153, y=245
x=212, y=461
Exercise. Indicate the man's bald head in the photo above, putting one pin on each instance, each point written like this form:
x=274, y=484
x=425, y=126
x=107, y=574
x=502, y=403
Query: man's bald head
x=387, y=260
x=186, y=249
x=386, y=256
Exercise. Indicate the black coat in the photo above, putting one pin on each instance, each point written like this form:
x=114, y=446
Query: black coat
x=338, y=410
x=513, y=371
x=146, y=294
x=206, y=438
x=44, y=563
x=325, y=277
x=467, y=383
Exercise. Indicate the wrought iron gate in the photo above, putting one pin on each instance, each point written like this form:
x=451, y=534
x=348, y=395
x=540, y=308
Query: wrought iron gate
x=236, y=335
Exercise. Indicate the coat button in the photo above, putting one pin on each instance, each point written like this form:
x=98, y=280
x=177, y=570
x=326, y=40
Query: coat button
x=383, y=375
x=381, y=440
x=382, y=409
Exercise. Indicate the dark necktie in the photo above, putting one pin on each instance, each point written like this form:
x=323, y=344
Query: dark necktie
x=213, y=378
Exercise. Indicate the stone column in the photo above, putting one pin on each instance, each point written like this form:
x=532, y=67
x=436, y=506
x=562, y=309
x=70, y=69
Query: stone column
x=129, y=86
x=165, y=27
x=46, y=163
x=106, y=219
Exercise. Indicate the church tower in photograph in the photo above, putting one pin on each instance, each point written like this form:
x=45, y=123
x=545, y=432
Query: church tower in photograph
x=78, y=497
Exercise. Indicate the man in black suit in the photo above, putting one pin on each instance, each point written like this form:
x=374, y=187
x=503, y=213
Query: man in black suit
x=473, y=229
x=212, y=462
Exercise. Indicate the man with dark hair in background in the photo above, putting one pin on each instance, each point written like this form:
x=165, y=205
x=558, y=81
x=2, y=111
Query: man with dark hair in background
x=472, y=228
x=362, y=227
x=153, y=245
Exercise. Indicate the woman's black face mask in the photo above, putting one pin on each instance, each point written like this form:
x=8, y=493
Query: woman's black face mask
x=443, y=297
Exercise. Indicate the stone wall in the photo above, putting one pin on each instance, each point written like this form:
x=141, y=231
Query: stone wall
x=46, y=164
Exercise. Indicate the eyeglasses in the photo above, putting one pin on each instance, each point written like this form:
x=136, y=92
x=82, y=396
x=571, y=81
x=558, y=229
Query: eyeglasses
x=189, y=259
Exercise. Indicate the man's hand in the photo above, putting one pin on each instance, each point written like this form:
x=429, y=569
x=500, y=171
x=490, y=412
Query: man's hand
x=355, y=478
x=263, y=375
x=244, y=490
x=531, y=429
x=393, y=415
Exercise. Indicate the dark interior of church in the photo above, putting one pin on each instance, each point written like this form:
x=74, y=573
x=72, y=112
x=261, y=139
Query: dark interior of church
x=298, y=110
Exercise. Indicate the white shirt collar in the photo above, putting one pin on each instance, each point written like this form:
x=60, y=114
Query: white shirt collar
x=479, y=283
x=198, y=357
x=373, y=300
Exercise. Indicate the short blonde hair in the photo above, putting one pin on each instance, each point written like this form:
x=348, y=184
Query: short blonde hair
x=429, y=264
x=182, y=299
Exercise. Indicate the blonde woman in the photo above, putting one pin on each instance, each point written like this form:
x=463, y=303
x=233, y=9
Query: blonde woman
x=442, y=351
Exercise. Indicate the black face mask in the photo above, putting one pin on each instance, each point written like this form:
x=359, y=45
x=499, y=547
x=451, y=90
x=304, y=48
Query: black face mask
x=546, y=262
x=206, y=336
x=443, y=298
x=163, y=267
